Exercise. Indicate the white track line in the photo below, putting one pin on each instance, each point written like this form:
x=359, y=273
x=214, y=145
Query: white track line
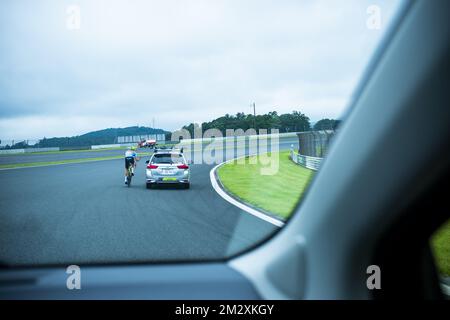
x=238, y=204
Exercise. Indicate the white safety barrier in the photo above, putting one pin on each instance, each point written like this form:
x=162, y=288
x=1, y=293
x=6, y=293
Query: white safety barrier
x=28, y=150
x=240, y=138
x=12, y=151
x=312, y=163
x=159, y=137
x=118, y=145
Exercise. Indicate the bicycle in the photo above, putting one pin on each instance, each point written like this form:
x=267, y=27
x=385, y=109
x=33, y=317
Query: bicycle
x=129, y=175
x=130, y=163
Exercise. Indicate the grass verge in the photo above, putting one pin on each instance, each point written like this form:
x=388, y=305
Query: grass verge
x=67, y=161
x=440, y=244
x=51, y=163
x=278, y=194
x=60, y=152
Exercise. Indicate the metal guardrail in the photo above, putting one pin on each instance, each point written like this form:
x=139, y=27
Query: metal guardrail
x=312, y=163
x=160, y=137
x=238, y=138
x=95, y=147
x=12, y=151
x=117, y=145
x=28, y=150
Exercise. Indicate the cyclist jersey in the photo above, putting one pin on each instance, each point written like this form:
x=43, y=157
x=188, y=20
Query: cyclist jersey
x=130, y=154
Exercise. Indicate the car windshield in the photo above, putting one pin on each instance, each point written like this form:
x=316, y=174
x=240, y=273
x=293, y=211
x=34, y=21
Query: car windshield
x=251, y=93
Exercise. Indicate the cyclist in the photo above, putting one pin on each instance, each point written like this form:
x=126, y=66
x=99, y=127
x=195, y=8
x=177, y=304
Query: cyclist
x=131, y=159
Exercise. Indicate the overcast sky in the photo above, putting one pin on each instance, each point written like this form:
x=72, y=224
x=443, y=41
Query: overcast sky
x=177, y=61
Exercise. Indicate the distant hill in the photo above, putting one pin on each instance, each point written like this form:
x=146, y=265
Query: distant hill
x=105, y=136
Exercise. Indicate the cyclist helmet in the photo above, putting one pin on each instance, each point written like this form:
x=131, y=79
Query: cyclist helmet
x=133, y=148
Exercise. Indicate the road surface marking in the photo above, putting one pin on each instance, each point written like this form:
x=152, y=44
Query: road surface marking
x=238, y=204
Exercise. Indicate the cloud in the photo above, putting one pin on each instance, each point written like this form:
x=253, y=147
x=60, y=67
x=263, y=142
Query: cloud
x=177, y=61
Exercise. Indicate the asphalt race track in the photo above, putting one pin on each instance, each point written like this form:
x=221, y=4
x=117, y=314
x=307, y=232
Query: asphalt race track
x=84, y=214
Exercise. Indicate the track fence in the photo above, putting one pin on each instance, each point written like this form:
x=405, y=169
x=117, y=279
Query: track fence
x=313, y=147
x=315, y=143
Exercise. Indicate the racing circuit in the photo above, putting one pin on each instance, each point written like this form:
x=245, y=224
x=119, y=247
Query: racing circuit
x=83, y=213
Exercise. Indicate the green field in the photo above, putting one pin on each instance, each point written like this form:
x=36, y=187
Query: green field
x=440, y=243
x=277, y=194
x=52, y=163
x=59, y=162
x=60, y=152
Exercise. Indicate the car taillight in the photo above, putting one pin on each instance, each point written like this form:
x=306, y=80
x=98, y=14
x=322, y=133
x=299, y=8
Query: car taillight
x=152, y=166
x=183, y=166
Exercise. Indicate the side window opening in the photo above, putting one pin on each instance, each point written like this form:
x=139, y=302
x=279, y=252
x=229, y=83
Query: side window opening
x=440, y=247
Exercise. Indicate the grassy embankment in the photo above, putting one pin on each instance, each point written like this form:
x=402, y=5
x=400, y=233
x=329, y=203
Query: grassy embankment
x=277, y=194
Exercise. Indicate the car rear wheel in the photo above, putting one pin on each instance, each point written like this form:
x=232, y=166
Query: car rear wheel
x=149, y=185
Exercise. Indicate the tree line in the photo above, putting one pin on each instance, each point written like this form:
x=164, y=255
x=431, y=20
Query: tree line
x=287, y=122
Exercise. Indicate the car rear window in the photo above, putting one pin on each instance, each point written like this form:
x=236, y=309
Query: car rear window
x=167, y=158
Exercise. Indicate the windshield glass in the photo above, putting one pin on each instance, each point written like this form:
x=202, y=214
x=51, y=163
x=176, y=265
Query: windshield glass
x=252, y=93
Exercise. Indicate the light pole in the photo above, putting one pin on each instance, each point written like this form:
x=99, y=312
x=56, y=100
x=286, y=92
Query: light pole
x=254, y=117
